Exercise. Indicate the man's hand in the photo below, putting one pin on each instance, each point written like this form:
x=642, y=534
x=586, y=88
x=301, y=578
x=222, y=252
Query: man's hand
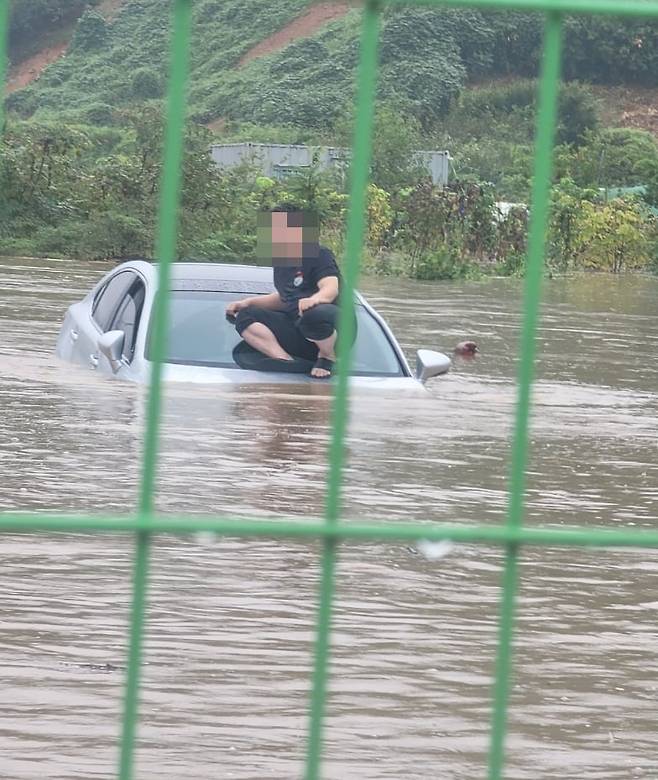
x=308, y=303
x=235, y=306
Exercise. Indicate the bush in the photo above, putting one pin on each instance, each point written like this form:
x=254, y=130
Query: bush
x=508, y=111
x=99, y=115
x=615, y=157
x=101, y=237
x=445, y=262
x=615, y=236
x=23, y=103
x=146, y=84
x=612, y=236
x=421, y=65
x=578, y=114
x=604, y=50
x=90, y=33
x=608, y=50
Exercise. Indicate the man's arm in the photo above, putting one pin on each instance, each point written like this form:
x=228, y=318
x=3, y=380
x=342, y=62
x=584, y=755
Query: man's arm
x=327, y=293
x=269, y=301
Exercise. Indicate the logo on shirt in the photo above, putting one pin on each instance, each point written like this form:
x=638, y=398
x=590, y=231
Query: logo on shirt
x=299, y=279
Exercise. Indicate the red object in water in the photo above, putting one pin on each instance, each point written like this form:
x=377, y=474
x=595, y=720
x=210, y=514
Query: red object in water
x=466, y=348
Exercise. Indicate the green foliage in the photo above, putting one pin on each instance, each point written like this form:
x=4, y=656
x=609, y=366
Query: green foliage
x=612, y=236
x=445, y=263
x=99, y=114
x=506, y=165
x=85, y=191
x=609, y=50
x=427, y=55
x=90, y=33
x=421, y=64
x=449, y=233
x=396, y=136
x=604, y=236
x=508, y=112
x=23, y=103
x=146, y=84
x=380, y=215
x=616, y=157
x=600, y=49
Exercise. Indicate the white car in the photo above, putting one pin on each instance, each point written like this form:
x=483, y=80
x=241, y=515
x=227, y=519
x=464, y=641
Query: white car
x=109, y=329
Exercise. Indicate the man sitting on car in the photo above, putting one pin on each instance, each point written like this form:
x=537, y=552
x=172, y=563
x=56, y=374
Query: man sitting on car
x=298, y=320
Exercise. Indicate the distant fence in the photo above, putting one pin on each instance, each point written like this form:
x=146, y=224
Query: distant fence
x=280, y=160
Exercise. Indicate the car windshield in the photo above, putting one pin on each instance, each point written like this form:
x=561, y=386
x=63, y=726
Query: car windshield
x=200, y=335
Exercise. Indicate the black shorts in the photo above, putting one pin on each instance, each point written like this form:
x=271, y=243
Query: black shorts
x=294, y=334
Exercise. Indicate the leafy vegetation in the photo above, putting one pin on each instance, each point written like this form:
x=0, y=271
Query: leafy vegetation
x=427, y=58
x=80, y=162
x=78, y=191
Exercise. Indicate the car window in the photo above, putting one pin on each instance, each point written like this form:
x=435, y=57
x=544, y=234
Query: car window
x=200, y=335
x=127, y=317
x=108, y=297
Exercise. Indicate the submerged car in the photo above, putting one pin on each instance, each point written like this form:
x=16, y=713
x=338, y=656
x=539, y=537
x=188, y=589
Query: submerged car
x=109, y=330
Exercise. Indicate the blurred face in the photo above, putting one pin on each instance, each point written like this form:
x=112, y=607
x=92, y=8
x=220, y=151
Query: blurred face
x=285, y=237
x=287, y=240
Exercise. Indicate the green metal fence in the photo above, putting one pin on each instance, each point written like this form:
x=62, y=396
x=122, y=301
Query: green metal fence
x=334, y=530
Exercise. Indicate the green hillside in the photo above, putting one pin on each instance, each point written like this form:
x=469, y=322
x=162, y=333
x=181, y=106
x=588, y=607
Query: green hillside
x=427, y=57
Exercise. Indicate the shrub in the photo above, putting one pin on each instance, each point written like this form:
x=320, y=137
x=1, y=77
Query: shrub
x=90, y=33
x=445, y=262
x=99, y=114
x=614, y=236
x=578, y=114
x=509, y=110
x=615, y=157
x=23, y=103
x=146, y=84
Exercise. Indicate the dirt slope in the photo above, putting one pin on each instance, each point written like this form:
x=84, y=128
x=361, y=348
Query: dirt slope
x=635, y=107
x=304, y=25
x=29, y=70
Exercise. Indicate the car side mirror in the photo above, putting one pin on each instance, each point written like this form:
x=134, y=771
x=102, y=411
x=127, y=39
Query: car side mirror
x=430, y=363
x=111, y=345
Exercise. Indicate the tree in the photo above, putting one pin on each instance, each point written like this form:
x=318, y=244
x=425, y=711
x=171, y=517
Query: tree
x=91, y=32
x=615, y=157
x=613, y=236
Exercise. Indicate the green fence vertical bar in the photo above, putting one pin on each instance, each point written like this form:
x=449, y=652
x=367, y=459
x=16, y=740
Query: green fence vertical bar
x=4, y=36
x=359, y=175
x=546, y=120
x=166, y=254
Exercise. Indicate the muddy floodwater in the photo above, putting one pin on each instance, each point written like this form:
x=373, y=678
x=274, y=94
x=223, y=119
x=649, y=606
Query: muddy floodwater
x=231, y=622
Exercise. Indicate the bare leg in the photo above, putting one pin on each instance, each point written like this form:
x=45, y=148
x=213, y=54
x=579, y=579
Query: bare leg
x=260, y=337
x=326, y=349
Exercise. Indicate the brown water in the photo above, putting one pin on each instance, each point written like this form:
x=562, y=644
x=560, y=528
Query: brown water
x=231, y=622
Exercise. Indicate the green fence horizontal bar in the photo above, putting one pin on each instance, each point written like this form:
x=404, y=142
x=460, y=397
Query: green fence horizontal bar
x=571, y=7
x=347, y=530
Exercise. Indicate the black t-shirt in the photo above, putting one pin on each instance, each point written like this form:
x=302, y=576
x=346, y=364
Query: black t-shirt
x=294, y=282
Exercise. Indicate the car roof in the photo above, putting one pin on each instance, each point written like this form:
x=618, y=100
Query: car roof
x=223, y=271
x=211, y=276
x=227, y=277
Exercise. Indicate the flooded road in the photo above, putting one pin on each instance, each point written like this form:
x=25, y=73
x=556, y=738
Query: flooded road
x=231, y=622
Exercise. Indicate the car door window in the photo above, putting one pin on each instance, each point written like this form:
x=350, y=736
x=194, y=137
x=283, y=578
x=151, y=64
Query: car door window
x=108, y=298
x=127, y=317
